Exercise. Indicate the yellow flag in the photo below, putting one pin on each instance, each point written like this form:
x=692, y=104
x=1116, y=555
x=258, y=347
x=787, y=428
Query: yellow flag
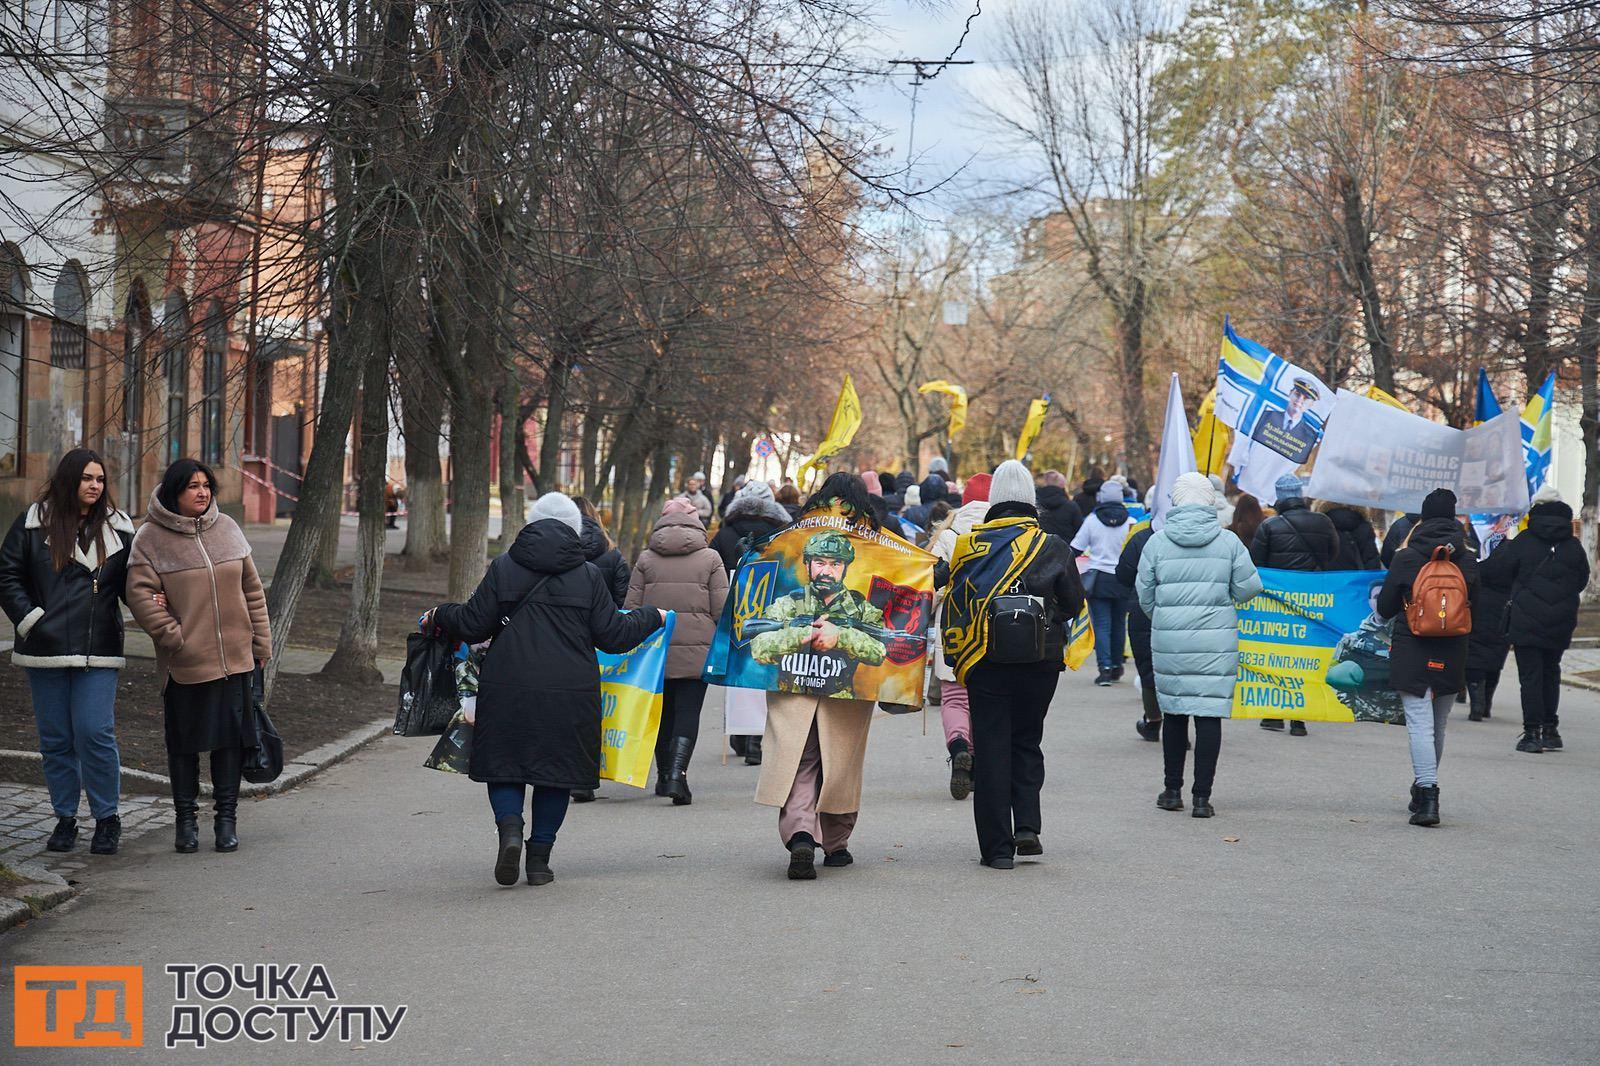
x=1080, y=640
x=1375, y=393
x=958, y=402
x=1212, y=437
x=841, y=430
x=1035, y=422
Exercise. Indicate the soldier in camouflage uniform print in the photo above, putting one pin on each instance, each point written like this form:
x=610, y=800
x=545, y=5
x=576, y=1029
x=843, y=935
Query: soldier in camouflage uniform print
x=815, y=654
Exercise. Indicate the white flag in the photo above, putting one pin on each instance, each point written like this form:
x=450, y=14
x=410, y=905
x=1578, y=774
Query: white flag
x=1177, y=455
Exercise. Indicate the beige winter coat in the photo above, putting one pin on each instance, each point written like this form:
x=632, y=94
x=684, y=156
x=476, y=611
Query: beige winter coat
x=215, y=622
x=679, y=572
x=842, y=727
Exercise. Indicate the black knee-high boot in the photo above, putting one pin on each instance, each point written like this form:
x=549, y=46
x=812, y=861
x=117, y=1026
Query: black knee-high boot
x=225, y=766
x=185, y=773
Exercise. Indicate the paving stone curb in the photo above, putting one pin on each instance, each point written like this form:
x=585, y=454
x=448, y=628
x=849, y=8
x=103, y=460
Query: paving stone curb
x=40, y=891
x=45, y=890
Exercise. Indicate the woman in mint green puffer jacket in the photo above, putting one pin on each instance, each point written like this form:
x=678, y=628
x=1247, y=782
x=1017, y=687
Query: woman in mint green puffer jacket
x=1192, y=575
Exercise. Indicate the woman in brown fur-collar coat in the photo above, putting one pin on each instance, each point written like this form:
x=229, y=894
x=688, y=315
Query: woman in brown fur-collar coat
x=194, y=588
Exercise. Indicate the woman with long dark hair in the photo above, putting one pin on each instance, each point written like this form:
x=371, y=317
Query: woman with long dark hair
x=194, y=588
x=1247, y=518
x=816, y=742
x=62, y=570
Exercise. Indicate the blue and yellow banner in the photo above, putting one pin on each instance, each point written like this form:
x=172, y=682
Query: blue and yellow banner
x=827, y=607
x=630, y=706
x=1289, y=636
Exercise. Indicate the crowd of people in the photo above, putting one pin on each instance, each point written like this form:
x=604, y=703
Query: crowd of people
x=1167, y=591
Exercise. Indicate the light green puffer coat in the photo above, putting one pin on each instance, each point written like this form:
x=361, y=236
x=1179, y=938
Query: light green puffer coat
x=1191, y=575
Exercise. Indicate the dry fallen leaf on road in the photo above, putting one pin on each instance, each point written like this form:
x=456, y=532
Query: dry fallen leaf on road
x=1230, y=840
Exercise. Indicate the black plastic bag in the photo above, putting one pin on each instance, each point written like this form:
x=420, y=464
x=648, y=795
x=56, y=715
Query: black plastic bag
x=454, y=750
x=427, y=687
x=264, y=761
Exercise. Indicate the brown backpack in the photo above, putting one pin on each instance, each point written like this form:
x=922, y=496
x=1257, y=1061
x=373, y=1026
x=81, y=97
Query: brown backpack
x=1438, y=605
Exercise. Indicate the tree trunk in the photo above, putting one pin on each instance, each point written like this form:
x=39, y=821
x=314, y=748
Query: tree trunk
x=555, y=415
x=1135, y=424
x=1358, y=252
x=511, y=507
x=319, y=497
x=1588, y=357
x=470, y=426
x=420, y=413
x=589, y=457
x=355, y=657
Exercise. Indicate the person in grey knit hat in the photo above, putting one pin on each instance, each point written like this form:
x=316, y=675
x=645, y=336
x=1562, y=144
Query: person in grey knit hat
x=559, y=506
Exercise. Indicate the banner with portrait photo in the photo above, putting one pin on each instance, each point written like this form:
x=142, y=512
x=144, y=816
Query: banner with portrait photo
x=1289, y=638
x=828, y=608
x=1375, y=456
x=1277, y=409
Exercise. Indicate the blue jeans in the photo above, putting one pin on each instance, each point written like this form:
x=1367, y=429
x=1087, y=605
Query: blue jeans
x=1110, y=617
x=75, y=710
x=1425, y=718
x=549, y=808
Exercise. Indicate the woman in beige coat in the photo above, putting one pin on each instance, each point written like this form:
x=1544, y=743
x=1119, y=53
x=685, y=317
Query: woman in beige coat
x=193, y=587
x=814, y=746
x=679, y=572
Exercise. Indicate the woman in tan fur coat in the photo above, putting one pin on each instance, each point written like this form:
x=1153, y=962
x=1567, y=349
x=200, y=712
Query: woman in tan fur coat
x=194, y=588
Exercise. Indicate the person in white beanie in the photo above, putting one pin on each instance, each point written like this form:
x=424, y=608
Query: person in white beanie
x=1224, y=508
x=1009, y=668
x=538, y=713
x=1190, y=582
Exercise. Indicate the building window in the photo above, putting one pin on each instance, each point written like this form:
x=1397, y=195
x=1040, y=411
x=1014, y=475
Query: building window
x=135, y=330
x=69, y=330
x=175, y=374
x=13, y=357
x=213, y=374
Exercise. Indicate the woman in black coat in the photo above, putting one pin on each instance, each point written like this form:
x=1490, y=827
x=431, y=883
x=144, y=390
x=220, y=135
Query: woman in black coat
x=1546, y=570
x=1427, y=671
x=1487, y=647
x=63, y=569
x=1358, y=543
x=538, y=716
x=1148, y=725
x=599, y=550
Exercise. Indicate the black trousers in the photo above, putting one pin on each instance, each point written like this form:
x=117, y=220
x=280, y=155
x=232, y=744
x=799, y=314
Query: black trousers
x=1539, y=672
x=1207, y=745
x=681, y=698
x=1008, y=708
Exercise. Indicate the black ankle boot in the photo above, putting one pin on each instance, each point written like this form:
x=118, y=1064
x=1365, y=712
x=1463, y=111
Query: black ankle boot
x=539, y=872
x=185, y=773
x=1416, y=797
x=678, y=771
x=1149, y=726
x=752, y=752
x=1475, y=701
x=1531, y=742
x=65, y=835
x=1170, y=800
x=802, y=857
x=960, y=769
x=508, y=852
x=1202, y=807
x=225, y=766
x=1551, y=739
x=1427, y=806
x=107, y=836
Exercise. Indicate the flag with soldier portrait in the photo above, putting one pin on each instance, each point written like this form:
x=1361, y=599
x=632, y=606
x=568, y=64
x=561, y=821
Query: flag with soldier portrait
x=827, y=607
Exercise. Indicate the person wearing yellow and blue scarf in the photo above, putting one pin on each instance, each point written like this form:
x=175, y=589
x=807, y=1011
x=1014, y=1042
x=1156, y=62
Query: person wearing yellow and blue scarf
x=1008, y=553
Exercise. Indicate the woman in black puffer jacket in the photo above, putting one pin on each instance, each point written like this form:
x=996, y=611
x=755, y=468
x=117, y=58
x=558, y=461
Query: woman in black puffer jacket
x=1487, y=647
x=598, y=549
x=63, y=569
x=1546, y=570
x=1358, y=543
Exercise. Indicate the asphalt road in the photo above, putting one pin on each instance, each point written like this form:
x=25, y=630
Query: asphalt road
x=1308, y=922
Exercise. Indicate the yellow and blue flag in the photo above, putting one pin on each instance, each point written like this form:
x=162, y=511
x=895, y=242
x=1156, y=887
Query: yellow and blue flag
x=630, y=706
x=1487, y=406
x=1080, y=639
x=1536, y=437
